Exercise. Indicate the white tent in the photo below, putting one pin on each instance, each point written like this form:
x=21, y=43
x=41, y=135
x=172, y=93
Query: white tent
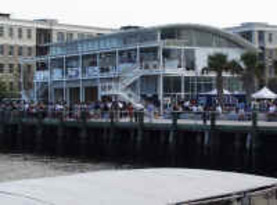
x=214, y=92
x=264, y=93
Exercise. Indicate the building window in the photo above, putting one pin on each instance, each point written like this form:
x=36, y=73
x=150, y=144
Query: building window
x=1, y=49
x=29, y=68
x=1, y=31
x=69, y=36
x=60, y=37
x=29, y=33
x=11, y=32
x=11, y=67
x=270, y=37
x=30, y=51
x=81, y=36
x=261, y=37
x=11, y=51
x=11, y=85
x=20, y=50
x=1, y=67
x=20, y=33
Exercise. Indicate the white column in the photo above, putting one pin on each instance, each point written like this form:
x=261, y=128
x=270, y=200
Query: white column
x=81, y=79
x=22, y=80
x=49, y=80
x=35, y=85
x=182, y=86
x=98, y=78
x=116, y=61
x=68, y=96
x=161, y=67
x=64, y=78
x=161, y=92
x=183, y=64
x=138, y=56
x=160, y=56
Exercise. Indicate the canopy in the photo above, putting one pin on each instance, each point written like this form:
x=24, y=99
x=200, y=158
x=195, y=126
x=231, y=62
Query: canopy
x=214, y=92
x=264, y=93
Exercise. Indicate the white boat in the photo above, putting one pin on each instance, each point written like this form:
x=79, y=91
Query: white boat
x=142, y=186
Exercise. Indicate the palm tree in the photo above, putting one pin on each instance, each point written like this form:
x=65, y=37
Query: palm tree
x=219, y=63
x=253, y=74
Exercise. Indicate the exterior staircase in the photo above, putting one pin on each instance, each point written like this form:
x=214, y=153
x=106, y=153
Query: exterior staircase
x=121, y=87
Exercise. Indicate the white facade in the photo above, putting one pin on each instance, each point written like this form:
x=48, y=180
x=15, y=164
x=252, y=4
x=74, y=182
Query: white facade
x=160, y=62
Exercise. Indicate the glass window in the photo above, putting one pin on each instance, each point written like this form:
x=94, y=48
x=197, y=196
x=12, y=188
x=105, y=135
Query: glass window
x=190, y=59
x=261, y=37
x=81, y=36
x=11, y=67
x=19, y=33
x=29, y=68
x=30, y=51
x=11, y=32
x=11, y=50
x=270, y=37
x=1, y=49
x=1, y=31
x=1, y=67
x=69, y=36
x=11, y=85
x=247, y=35
x=60, y=37
x=29, y=33
x=20, y=50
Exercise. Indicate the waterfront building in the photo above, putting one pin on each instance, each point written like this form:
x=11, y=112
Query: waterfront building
x=163, y=62
x=264, y=37
x=29, y=38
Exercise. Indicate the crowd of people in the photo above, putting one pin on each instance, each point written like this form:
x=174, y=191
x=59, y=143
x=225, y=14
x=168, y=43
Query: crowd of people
x=119, y=109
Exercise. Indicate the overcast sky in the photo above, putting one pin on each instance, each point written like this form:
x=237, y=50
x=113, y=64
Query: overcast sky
x=116, y=13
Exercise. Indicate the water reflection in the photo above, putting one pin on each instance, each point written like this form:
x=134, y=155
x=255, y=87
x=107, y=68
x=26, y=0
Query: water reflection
x=26, y=166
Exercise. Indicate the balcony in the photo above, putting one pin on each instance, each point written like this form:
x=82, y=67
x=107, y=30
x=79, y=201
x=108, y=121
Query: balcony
x=41, y=76
x=73, y=73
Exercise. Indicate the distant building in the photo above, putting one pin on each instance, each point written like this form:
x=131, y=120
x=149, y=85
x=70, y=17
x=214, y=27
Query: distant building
x=264, y=37
x=159, y=62
x=30, y=38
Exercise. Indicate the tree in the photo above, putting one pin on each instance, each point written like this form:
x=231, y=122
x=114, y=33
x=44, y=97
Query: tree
x=253, y=73
x=219, y=63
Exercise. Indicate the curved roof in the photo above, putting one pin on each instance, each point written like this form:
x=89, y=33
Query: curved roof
x=220, y=32
x=232, y=37
x=138, y=186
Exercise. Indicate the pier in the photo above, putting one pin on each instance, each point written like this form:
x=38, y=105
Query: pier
x=247, y=146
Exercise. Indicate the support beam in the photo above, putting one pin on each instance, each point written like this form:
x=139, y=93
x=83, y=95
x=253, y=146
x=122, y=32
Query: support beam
x=64, y=78
x=81, y=79
x=49, y=79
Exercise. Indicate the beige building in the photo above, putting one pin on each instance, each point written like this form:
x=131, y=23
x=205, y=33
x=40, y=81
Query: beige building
x=30, y=38
x=264, y=37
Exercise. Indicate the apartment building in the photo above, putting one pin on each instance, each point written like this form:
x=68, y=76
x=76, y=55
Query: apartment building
x=264, y=37
x=29, y=38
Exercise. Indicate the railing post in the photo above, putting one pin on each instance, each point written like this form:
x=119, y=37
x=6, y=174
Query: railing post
x=204, y=117
x=39, y=132
x=175, y=119
x=254, y=119
x=213, y=120
x=83, y=134
x=140, y=118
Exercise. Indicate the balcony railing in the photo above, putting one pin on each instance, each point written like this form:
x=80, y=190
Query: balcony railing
x=41, y=75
